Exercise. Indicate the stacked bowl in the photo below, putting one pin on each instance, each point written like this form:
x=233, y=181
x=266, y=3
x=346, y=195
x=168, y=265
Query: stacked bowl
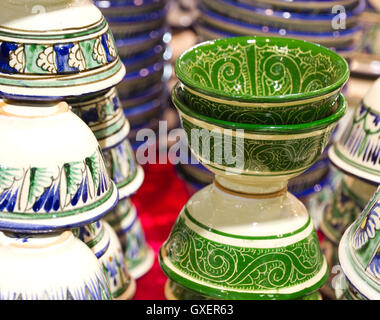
x=332, y=23
x=366, y=60
x=141, y=35
x=257, y=111
x=316, y=21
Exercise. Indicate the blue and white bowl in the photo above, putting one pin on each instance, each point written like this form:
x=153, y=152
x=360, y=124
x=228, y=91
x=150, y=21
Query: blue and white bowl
x=338, y=39
x=283, y=19
x=129, y=46
x=111, y=8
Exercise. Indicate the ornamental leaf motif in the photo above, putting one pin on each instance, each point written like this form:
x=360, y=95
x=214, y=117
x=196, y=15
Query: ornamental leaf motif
x=39, y=180
x=93, y=165
x=7, y=177
x=74, y=176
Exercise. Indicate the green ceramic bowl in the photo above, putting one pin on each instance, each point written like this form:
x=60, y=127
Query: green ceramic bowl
x=262, y=152
x=262, y=80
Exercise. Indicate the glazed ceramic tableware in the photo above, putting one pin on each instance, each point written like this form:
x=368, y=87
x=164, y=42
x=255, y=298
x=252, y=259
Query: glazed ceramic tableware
x=121, y=163
x=142, y=96
x=174, y=291
x=312, y=176
x=206, y=33
x=102, y=113
x=139, y=256
x=370, y=43
x=283, y=19
x=128, y=8
x=261, y=80
x=373, y=4
x=337, y=38
x=349, y=198
x=220, y=255
x=304, y=4
x=141, y=79
x=359, y=253
x=136, y=25
x=144, y=59
x=152, y=124
x=51, y=177
x=356, y=151
x=105, y=244
x=59, y=267
x=36, y=49
x=138, y=114
x=129, y=46
x=305, y=143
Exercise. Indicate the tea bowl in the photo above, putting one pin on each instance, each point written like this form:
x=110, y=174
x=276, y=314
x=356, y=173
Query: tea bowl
x=105, y=244
x=139, y=256
x=336, y=38
x=125, y=26
x=121, y=162
x=359, y=253
x=264, y=153
x=128, y=8
x=60, y=267
x=265, y=80
x=141, y=79
x=356, y=152
x=283, y=19
x=53, y=174
x=130, y=46
x=303, y=4
x=80, y=51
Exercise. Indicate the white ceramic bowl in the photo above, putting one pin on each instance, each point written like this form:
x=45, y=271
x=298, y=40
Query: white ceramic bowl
x=49, y=267
x=357, y=151
x=52, y=171
x=43, y=40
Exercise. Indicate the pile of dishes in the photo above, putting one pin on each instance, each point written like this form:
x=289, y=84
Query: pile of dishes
x=359, y=255
x=366, y=60
x=141, y=35
x=315, y=21
x=256, y=114
x=356, y=156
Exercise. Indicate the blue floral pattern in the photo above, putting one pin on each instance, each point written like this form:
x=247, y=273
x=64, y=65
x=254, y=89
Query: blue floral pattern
x=368, y=228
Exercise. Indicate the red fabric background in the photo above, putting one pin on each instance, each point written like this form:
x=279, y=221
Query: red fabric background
x=158, y=203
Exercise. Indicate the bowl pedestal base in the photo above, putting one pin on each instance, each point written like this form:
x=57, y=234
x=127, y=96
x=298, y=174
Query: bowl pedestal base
x=227, y=244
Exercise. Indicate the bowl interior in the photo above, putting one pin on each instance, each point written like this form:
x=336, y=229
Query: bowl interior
x=261, y=69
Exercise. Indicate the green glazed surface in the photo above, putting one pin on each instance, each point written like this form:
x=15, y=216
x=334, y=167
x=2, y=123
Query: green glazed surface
x=180, y=293
x=275, y=114
x=262, y=69
x=225, y=271
x=263, y=150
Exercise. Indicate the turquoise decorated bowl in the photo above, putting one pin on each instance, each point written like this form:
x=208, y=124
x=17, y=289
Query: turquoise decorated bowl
x=260, y=152
x=261, y=80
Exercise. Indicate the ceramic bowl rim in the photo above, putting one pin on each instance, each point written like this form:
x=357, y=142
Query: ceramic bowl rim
x=277, y=14
x=271, y=129
x=188, y=81
x=275, y=30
